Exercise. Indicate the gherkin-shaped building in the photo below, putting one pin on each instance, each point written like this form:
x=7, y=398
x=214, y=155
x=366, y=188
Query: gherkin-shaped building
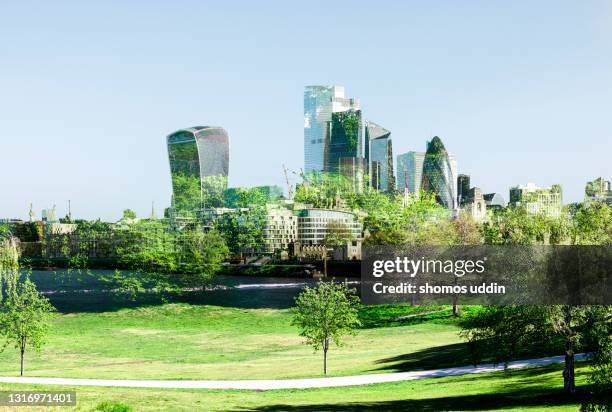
x=438, y=174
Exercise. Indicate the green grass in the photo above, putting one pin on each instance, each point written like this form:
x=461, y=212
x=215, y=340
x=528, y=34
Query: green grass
x=531, y=389
x=182, y=341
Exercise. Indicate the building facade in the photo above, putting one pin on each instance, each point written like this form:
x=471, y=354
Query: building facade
x=439, y=174
x=599, y=190
x=320, y=102
x=379, y=157
x=475, y=205
x=494, y=201
x=463, y=189
x=536, y=200
x=199, y=166
x=410, y=171
x=281, y=228
x=344, y=141
x=315, y=224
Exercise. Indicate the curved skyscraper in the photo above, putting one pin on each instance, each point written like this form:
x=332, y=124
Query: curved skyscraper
x=199, y=163
x=439, y=174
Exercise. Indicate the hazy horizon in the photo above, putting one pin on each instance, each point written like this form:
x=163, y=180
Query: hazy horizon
x=519, y=92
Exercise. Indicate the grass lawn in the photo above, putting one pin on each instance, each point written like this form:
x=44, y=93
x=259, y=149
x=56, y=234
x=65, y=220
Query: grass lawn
x=528, y=389
x=182, y=341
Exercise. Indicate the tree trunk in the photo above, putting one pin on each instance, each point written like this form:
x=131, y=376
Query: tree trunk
x=325, y=347
x=569, y=384
x=22, y=354
x=455, y=307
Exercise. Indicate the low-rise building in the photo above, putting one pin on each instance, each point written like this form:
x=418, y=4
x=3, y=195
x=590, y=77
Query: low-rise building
x=315, y=224
x=536, y=200
x=494, y=201
x=281, y=228
x=474, y=204
x=599, y=190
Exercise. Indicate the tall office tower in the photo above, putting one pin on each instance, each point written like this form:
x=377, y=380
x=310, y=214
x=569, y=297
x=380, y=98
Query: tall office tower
x=320, y=102
x=379, y=157
x=199, y=163
x=410, y=171
x=344, y=139
x=439, y=174
x=354, y=170
x=463, y=189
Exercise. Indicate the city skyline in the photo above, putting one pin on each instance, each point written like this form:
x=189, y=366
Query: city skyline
x=87, y=111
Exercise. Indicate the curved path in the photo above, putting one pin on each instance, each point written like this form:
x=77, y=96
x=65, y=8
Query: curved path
x=270, y=384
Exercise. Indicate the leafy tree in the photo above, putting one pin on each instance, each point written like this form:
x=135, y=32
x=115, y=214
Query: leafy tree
x=149, y=246
x=24, y=318
x=325, y=314
x=129, y=214
x=509, y=331
x=200, y=256
x=243, y=230
x=337, y=234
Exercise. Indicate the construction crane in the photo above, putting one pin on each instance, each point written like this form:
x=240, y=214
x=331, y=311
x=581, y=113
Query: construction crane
x=289, y=187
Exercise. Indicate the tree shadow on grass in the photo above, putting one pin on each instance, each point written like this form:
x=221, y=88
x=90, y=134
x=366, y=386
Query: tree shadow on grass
x=103, y=301
x=520, y=398
x=446, y=356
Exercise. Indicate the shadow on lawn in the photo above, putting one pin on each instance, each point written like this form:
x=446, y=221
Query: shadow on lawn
x=100, y=301
x=446, y=356
x=523, y=398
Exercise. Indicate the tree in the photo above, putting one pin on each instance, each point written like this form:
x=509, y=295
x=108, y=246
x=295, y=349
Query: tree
x=24, y=318
x=243, y=230
x=200, y=256
x=509, y=331
x=325, y=314
x=338, y=233
x=129, y=214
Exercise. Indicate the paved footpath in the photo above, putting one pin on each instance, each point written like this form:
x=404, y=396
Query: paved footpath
x=270, y=384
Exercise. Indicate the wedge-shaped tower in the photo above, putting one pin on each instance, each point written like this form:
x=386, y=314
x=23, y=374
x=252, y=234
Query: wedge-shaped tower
x=199, y=163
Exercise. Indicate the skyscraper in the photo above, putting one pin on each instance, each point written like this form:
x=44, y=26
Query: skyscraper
x=199, y=163
x=320, y=102
x=379, y=157
x=410, y=171
x=439, y=173
x=344, y=140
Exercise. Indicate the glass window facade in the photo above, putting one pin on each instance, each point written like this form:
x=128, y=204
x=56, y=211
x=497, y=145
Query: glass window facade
x=345, y=139
x=199, y=163
x=319, y=104
x=379, y=156
x=410, y=171
x=313, y=225
x=439, y=174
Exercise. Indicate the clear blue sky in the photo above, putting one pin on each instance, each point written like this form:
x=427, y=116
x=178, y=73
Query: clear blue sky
x=518, y=90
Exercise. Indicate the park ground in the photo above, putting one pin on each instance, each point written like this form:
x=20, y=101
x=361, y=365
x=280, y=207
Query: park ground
x=247, y=334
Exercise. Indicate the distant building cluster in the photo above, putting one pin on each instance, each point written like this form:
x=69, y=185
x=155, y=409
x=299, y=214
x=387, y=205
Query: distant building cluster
x=337, y=141
x=599, y=190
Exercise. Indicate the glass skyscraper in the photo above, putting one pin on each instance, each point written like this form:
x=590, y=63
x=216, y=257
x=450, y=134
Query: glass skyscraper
x=439, y=174
x=379, y=157
x=320, y=102
x=199, y=163
x=410, y=171
x=344, y=140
